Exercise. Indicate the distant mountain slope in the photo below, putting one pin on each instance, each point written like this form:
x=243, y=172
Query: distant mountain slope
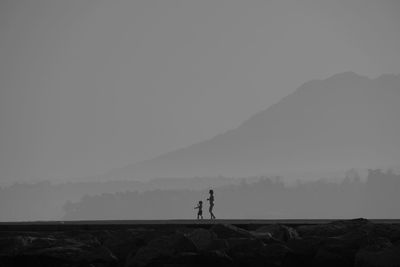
x=341, y=122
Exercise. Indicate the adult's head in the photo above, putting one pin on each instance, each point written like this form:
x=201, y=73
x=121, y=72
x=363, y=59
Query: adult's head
x=211, y=191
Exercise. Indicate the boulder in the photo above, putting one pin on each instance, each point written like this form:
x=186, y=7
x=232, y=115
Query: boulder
x=204, y=258
x=244, y=245
x=229, y=231
x=275, y=254
x=302, y=251
x=341, y=250
x=279, y=232
x=218, y=245
x=53, y=250
x=257, y=254
x=203, y=239
x=330, y=259
x=389, y=231
x=266, y=238
x=381, y=254
x=11, y=245
x=123, y=242
x=86, y=237
x=81, y=254
x=66, y=256
x=350, y=241
x=377, y=244
x=332, y=229
x=162, y=248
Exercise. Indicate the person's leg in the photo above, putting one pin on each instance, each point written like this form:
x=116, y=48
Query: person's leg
x=211, y=212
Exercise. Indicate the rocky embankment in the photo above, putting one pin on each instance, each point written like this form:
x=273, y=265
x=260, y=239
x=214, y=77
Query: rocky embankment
x=356, y=242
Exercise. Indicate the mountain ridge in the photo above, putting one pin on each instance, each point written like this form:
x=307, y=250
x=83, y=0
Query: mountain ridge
x=335, y=123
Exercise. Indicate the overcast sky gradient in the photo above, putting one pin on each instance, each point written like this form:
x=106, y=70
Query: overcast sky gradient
x=87, y=86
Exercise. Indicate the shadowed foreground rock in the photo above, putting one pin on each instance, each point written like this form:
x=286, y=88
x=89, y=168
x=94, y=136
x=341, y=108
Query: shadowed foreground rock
x=358, y=242
x=54, y=250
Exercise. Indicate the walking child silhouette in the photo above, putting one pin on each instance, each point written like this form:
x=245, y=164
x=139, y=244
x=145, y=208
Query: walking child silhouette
x=200, y=210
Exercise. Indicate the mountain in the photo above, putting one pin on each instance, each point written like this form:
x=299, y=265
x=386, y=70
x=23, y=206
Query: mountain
x=345, y=121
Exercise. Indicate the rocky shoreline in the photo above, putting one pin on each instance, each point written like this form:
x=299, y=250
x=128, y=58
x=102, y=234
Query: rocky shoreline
x=357, y=242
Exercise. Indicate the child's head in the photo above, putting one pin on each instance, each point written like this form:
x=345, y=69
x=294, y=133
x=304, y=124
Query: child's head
x=200, y=202
x=211, y=191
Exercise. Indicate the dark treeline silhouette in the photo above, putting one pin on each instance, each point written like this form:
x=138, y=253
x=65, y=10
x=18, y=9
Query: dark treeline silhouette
x=376, y=197
x=45, y=201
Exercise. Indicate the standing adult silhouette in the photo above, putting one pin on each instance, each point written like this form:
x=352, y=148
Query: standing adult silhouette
x=211, y=200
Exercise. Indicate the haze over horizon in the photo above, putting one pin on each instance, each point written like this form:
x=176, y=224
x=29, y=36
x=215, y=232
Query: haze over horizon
x=89, y=86
x=324, y=128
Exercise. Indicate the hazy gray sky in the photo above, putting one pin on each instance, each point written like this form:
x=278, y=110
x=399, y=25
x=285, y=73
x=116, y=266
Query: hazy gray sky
x=87, y=86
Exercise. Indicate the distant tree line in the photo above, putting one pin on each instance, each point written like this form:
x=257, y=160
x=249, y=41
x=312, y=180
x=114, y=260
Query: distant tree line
x=375, y=195
x=267, y=198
